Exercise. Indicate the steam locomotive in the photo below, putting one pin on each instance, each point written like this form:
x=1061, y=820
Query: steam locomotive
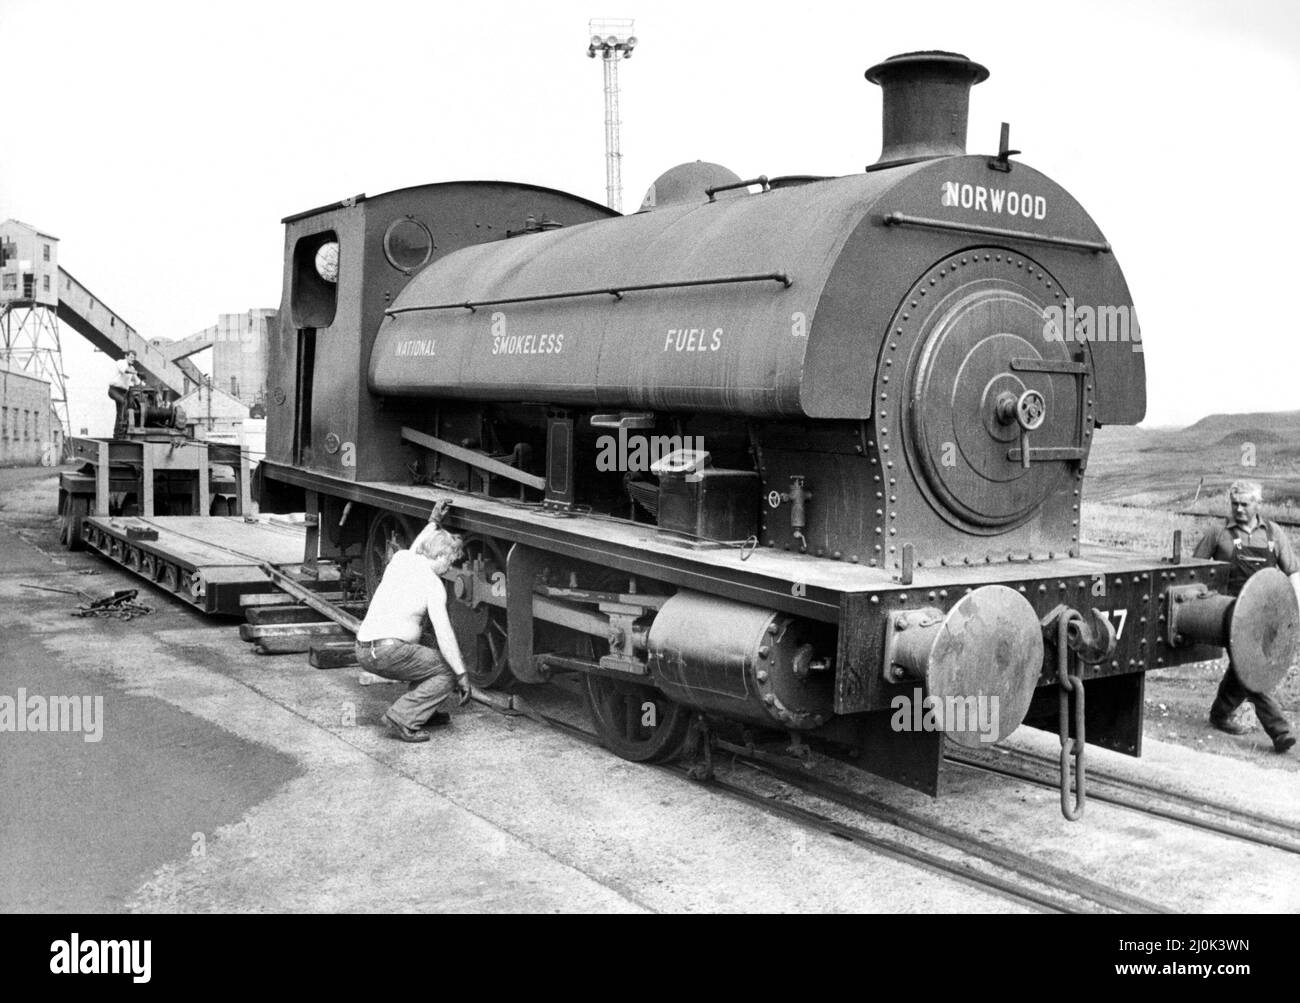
x=802, y=454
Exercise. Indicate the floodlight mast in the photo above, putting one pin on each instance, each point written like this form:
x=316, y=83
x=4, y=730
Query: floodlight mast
x=613, y=41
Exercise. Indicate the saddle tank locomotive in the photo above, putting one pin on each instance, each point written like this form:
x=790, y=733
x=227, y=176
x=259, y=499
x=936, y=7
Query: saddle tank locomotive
x=804, y=454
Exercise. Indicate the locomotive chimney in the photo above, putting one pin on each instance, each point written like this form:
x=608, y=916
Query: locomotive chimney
x=926, y=103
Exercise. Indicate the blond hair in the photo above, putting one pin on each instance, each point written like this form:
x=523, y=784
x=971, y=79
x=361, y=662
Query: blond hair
x=433, y=543
x=1246, y=491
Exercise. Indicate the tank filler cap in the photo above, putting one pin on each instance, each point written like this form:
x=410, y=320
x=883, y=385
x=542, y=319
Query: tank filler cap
x=687, y=183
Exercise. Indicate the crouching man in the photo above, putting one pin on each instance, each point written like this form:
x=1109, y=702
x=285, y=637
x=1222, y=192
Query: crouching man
x=1249, y=544
x=388, y=641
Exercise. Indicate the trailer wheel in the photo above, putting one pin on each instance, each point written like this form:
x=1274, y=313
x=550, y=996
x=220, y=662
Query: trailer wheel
x=636, y=722
x=75, y=510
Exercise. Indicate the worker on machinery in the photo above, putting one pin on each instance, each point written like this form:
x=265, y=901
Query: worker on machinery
x=128, y=378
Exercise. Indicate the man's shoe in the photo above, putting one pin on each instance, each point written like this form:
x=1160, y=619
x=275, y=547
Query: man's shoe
x=437, y=719
x=403, y=732
x=1230, y=726
x=1284, y=743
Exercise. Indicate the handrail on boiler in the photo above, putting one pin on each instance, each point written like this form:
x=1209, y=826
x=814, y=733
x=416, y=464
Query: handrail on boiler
x=616, y=292
x=904, y=219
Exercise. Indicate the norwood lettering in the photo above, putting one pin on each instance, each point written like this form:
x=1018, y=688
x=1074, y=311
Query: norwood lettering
x=957, y=194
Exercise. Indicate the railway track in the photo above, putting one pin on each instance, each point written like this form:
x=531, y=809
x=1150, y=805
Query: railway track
x=1142, y=797
x=987, y=866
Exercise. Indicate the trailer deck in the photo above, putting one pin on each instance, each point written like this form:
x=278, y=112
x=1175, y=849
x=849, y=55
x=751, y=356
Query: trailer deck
x=211, y=562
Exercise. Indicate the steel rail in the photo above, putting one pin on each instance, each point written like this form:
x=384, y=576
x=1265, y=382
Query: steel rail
x=1182, y=816
x=1047, y=874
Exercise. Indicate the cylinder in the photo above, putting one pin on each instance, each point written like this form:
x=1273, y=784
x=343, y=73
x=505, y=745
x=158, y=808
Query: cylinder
x=740, y=660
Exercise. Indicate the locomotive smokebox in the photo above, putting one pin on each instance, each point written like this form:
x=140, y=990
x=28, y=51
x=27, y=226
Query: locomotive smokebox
x=926, y=104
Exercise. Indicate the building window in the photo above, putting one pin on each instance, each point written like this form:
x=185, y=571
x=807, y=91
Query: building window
x=45, y=283
x=10, y=282
x=6, y=423
x=46, y=251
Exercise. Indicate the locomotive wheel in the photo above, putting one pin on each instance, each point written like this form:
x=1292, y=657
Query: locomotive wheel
x=388, y=533
x=76, y=509
x=636, y=722
x=485, y=627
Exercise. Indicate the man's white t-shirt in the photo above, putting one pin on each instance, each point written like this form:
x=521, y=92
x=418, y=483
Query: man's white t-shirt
x=398, y=606
x=127, y=377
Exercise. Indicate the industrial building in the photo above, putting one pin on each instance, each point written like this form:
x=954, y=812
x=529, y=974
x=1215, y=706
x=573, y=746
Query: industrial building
x=30, y=431
x=238, y=342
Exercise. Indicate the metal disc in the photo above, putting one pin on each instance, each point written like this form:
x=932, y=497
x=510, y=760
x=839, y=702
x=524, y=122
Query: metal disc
x=1264, y=630
x=984, y=663
x=964, y=367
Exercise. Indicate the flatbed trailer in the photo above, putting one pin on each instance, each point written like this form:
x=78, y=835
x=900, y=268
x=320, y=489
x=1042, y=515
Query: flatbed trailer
x=178, y=512
x=211, y=562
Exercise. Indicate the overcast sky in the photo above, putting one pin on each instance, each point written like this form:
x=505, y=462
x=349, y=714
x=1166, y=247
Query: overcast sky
x=163, y=142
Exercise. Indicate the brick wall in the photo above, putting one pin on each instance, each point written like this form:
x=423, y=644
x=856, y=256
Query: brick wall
x=25, y=422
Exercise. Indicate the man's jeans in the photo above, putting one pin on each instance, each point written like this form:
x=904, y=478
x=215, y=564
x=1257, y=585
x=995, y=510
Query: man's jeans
x=1232, y=692
x=432, y=679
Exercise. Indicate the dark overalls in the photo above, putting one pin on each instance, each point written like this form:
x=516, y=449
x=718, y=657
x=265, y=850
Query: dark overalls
x=1244, y=561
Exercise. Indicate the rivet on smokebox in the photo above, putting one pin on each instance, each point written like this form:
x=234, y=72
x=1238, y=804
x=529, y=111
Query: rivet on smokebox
x=762, y=675
x=769, y=699
x=764, y=650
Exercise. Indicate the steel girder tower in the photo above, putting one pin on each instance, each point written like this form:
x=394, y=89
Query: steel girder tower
x=29, y=297
x=29, y=343
x=613, y=41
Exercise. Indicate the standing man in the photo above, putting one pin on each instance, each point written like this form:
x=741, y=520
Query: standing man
x=388, y=640
x=120, y=390
x=1249, y=544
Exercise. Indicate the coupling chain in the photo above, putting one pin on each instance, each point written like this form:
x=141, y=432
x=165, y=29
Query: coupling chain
x=1070, y=682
